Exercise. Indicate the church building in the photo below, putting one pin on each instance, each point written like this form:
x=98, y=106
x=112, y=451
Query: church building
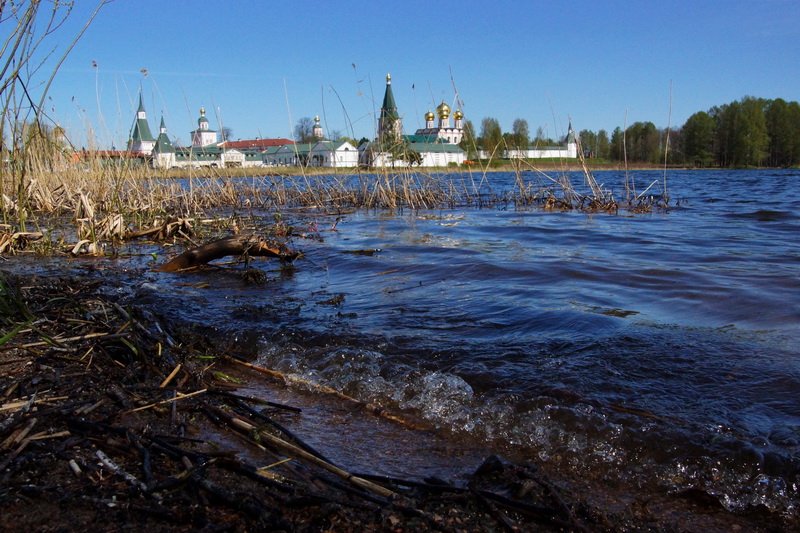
x=443, y=130
x=429, y=147
x=203, y=136
x=141, y=139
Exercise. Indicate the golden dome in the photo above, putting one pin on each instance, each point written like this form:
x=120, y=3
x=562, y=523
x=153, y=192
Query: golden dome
x=429, y=115
x=443, y=110
x=202, y=110
x=388, y=79
x=458, y=115
x=316, y=119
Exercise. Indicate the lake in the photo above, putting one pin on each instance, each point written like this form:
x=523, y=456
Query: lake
x=657, y=349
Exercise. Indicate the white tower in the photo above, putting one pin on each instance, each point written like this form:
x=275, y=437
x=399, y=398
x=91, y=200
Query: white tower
x=203, y=136
x=317, y=131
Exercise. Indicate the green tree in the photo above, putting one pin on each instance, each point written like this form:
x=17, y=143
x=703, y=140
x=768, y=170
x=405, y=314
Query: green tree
x=643, y=142
x=520, y=134
x=588, y=140
x=491, y=137
x=670, y=140
x=783, y=128
x=468, y=142
x=603, y=145
x=752, y=139
x=540, y=139
x=742, y=138
x=724, y=120
x=617, y=146
x=697, y=139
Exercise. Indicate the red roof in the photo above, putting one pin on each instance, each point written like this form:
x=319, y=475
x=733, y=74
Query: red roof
x=255, y=144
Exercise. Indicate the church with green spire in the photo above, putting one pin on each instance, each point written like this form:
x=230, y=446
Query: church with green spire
x=141, y=140
x=389, y=123
x=432, y=147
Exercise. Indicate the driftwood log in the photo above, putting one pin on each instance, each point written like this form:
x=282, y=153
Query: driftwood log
x=237, y=245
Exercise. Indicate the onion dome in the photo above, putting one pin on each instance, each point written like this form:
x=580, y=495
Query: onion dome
x=316, y=120
x=429, y=115
x=443, y=110
x=202, y=118
x=388, y=79
x=458, y=115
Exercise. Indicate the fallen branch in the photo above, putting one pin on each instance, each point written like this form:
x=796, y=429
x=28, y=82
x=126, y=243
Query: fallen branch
x=291, y=449
x=238, y=245
x=169, y=400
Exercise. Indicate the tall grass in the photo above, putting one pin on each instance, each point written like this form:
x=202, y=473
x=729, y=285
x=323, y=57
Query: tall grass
x=44, y=177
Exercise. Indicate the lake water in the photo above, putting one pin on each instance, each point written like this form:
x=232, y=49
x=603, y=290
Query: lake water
x=658, y=349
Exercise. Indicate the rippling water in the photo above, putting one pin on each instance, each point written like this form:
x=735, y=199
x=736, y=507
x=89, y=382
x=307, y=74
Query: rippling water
x=658, y=348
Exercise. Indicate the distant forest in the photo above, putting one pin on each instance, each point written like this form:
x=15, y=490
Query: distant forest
x=750, y=132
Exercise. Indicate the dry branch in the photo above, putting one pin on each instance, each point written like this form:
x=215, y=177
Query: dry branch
x=237, y=245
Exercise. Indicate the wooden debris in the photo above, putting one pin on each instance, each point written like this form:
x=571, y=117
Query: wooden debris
x=160, y=232
x=10, y=242
x=236, y=245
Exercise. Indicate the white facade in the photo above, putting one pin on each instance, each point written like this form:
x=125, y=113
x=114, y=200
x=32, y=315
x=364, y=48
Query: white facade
x=570, y=151
x=434, y=158
x=203, y=136
x=340, y=154
x=163, y=151
x=437, y=154
x=232, y=158
x=288, y=155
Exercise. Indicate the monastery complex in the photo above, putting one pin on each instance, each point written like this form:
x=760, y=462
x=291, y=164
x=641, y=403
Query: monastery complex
x=435, y=145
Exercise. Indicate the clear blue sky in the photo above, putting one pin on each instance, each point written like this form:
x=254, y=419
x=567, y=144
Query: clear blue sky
x=259, y=66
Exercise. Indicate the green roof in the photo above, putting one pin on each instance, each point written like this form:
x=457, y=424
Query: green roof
x=163, y=144
x=389, y=108
x=389, y=112
x=424, y=139
x=332, y=145
x=303, y=148
x=570, y=134
x=437, y=148
x=141, y=129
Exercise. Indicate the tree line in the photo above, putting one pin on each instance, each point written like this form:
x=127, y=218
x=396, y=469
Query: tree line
x=747, y=132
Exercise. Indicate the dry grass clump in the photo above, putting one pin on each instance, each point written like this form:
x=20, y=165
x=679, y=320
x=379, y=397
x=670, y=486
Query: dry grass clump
x=121, y=199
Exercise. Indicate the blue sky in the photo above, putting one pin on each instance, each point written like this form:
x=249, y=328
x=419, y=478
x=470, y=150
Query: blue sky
x=259, y=66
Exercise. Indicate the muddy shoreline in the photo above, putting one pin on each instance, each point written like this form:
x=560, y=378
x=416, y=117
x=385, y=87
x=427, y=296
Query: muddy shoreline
x=112, y=417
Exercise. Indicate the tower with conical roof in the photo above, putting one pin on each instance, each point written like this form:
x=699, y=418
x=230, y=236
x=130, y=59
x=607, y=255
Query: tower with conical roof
x=141, y=139
x=571, y=142
x=163, y=151
x=390, y=122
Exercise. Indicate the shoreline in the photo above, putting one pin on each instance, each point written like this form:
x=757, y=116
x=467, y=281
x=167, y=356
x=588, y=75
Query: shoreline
x=569, y=166
x=113, y=393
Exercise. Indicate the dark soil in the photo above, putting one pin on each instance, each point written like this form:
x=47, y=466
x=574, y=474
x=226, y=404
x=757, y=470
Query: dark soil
x=95, y=437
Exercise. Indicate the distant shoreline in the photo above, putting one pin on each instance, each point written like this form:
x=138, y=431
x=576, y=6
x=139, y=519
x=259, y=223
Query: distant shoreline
x=566, y=166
